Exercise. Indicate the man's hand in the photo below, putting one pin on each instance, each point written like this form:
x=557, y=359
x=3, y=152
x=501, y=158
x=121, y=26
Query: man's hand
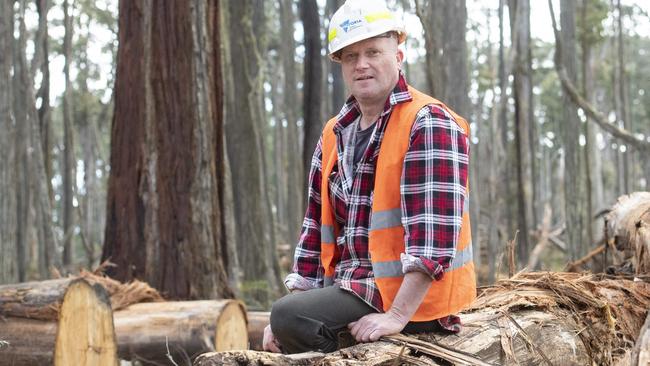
x=269, y=343
x=373, y=326
x=409, y=296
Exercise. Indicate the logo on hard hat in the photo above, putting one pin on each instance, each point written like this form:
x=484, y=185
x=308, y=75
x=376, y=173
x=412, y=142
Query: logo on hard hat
x=350, y=25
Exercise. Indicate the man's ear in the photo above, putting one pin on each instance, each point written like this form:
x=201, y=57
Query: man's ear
x=400, y=58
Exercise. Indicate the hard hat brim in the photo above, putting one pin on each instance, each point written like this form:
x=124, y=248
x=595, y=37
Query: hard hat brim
x=334, y=55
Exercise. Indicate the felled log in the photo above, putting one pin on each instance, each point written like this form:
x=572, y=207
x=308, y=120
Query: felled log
x=257, y=321
x=532, y=319
x=627, y=227
x=83, y=333
x=182, y=329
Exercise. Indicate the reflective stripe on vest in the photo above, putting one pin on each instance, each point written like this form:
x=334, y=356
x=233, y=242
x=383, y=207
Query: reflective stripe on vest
x=394, y=268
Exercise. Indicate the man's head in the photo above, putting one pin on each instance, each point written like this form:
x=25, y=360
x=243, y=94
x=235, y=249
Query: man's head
x=371, y=67
x=364, y=37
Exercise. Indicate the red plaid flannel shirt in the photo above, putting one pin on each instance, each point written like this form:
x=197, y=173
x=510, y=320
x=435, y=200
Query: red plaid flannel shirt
x=433, y=190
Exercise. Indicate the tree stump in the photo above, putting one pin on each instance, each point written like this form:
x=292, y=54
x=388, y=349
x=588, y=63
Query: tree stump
x=82, y=333
x=184, y=329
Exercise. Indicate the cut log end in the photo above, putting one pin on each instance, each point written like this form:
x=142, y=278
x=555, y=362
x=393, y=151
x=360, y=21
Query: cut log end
x=232, y=333
x=85, y=334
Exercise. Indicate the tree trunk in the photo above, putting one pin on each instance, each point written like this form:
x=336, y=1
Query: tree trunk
x=146, y=331
x=245, y=154
x=34, y=172
x=294, y=192
x=531, y=319
x=82, y=335
x=574, y=181
x=164, y=214
x=68, y=147
x=593, y=159
x=42, y=42
x=312, y=100
x=520, y=22
x=9, y=265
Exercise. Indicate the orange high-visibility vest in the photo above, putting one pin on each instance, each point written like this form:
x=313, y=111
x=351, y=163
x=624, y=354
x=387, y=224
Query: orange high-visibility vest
x=457, y=288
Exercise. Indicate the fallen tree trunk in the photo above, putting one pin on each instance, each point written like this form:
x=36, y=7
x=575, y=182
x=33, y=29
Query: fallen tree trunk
x=82, y=335
x=42, y=299
x=531, y=319
x=149, y=331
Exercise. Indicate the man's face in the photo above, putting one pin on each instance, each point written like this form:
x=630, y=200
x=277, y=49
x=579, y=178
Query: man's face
x=371, y=68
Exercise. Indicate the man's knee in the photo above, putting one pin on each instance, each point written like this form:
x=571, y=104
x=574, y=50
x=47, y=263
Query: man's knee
x=284, y=317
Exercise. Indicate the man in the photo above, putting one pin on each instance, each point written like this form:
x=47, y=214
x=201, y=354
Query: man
x=385, y=243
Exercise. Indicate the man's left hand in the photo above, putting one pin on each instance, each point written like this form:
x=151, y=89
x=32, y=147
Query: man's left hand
x=373, y=326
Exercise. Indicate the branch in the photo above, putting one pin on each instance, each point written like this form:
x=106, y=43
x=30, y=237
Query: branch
x=600, y=119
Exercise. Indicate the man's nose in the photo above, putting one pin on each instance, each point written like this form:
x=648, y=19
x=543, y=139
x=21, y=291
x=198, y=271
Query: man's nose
x=362, y=62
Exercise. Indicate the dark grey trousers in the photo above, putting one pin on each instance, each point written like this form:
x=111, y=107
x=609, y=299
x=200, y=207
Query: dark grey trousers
x=317, y=319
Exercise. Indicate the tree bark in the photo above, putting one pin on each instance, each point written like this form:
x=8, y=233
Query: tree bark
x=164, y=213
x=82, y=335
x=573, y=177
x=9, y=267
x=146, y=331
x=312, y=99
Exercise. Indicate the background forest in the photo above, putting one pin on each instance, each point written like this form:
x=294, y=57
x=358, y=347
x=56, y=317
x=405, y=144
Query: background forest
x=173, y=140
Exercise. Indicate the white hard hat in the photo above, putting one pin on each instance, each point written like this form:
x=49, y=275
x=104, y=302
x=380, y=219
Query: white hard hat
x=357, y=20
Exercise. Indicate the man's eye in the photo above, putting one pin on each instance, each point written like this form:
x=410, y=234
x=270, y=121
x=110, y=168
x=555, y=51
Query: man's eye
x=373, y=52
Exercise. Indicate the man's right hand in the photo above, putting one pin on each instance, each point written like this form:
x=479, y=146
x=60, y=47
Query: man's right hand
x=269, y=342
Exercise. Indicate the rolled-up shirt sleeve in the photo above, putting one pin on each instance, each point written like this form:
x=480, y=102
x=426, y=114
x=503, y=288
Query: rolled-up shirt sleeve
x=433, y=191
x=307, y=272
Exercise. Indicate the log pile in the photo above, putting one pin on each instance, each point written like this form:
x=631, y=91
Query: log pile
x=531, y=319
x=93, y=320
x=83, y=334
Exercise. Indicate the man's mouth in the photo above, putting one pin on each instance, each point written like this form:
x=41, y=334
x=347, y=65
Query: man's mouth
x=366, y=77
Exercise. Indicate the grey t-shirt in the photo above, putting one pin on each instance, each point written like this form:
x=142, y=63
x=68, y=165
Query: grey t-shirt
x=361, y=142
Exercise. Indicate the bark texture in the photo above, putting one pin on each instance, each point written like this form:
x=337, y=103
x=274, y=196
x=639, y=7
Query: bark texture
x=8, y=191
x=573, y=177
x=164, y=212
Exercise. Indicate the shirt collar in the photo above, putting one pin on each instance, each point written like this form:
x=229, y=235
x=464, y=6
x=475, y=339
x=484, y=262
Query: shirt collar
x=351, y=111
